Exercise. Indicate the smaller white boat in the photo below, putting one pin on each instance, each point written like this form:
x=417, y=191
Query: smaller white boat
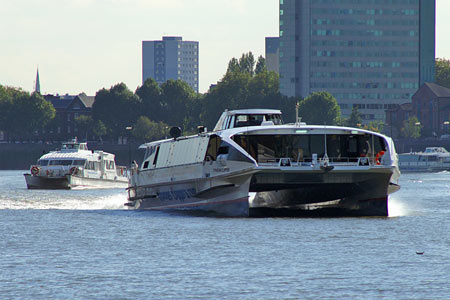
x=433, y=159
x=75, y=166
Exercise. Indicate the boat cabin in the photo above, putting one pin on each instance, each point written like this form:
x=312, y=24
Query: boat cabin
x=248, y=117
x=74, y=146
x=337, y=146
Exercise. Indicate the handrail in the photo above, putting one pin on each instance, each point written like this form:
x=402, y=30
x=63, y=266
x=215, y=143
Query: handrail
x=343, y=161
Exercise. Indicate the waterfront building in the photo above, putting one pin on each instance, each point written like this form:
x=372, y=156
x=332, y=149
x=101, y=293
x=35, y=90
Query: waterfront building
x=171, y=58
x=68, y=108
x=272, y=53
x=370, y=54
x=431, y=105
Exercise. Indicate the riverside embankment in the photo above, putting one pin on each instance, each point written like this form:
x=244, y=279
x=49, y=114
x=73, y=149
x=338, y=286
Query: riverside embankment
x=21, y=156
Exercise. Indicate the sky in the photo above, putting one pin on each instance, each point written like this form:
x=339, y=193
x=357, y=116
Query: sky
x=86, y=45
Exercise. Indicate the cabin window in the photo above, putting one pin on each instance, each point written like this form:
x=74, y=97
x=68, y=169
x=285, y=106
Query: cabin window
x=93, y=165
x=241, y=121
x=248, y=120
x=213, y=148
x=90, y=165
x=60, y=162
x=340, y=147
x=248, y=143
x=148, y=152
x=231, y=122
x=145, y=164
x=110, y=165
x=156, y=156
x=226, y=122
x=79, y=162
x=43, y=162
x=276, y=119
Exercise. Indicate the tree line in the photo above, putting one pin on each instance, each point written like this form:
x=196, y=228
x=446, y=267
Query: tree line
x=149, y=112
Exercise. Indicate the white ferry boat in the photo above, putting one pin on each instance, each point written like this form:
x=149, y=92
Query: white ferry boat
x=433, y=159
x=253, y=165
x=75, y=166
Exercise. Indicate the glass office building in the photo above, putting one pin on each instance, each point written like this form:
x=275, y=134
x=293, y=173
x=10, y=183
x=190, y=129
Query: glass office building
x=273, y=54
x=171, y=58
x=372, y=54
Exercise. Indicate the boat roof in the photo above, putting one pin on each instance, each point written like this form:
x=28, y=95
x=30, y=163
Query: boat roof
x=317, y=129
x=67, y=155
x=253, y=111
x=436, y=149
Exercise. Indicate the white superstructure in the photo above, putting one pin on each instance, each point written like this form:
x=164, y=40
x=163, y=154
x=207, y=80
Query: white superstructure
x=75, y=166
x=433, y=159
x=292, y=168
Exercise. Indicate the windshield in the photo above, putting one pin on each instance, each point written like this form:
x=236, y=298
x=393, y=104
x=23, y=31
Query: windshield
x=60, y=162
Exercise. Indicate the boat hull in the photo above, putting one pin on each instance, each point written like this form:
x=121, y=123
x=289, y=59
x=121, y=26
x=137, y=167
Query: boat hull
x=71, y=181
x=225, y=200
x=48, y=183
x=408, y=168
x=323, y=194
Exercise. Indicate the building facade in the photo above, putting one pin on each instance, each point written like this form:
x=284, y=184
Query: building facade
x=431, y=105
x=370, y=54
x=68, y=108
x=273, y=53
x=171, y=58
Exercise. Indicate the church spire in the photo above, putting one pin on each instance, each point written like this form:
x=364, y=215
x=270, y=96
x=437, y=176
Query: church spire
x=37, y=89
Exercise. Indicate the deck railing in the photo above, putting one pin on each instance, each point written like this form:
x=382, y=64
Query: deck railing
x=308, y=161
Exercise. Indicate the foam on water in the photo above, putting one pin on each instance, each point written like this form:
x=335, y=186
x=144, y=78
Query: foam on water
x=396, y=208
x=76, y=200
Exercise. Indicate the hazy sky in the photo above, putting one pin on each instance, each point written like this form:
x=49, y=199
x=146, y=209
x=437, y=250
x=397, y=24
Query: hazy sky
x=85, y=45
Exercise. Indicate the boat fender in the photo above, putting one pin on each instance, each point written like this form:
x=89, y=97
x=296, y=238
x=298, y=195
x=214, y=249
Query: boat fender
x=35, y=170
x=378, y=157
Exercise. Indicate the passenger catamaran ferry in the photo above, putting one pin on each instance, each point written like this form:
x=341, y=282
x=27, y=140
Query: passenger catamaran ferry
x=253, y=165
x=75, y=166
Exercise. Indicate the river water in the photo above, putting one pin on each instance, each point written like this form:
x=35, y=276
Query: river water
x=83, y=244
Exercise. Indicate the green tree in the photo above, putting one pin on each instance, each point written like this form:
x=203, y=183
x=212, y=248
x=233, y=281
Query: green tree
x=6, y=103
x=177, y=101
x=150, y=95
x=99, y=129
x=233, y=65
x=84, y=123
x=117, y=108
x=247, y=63
x=147, y=130
x=230, y=93
x=260, y=65
x=443, y=72
x=354, y=120
x=26, y=114
x=376, y=126
x=240, y=88
x=320, y=108
x=411, y=128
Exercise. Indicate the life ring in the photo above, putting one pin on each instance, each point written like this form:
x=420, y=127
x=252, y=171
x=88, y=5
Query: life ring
x=378, y=157
x=73, y=170
x=34, y=170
